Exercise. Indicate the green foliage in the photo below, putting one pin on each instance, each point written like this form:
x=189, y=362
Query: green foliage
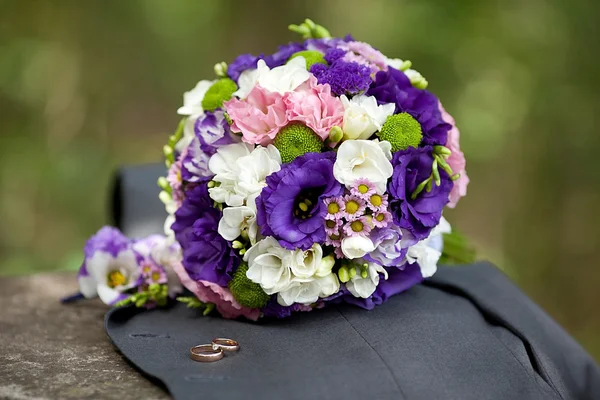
x=155, y=293
x=194, y=302
x=246, y=292
x=457, y=250
x=402, y=131
x=311, y=56
x=220, y=91
x=296, y=139
x=309, y=30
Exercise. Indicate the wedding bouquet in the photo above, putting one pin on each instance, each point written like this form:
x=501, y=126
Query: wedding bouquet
x=314, y=175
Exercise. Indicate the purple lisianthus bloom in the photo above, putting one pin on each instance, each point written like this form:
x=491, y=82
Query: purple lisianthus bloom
x=283, y=54
x=242, y=63
x=344, y=77
x=399, y=280
x=206, y=255
x=307, y=180
x=325, y=44
x=275, y=310
x=389, y=251
x=421, y=215
x=393, y=86
x=212, y=131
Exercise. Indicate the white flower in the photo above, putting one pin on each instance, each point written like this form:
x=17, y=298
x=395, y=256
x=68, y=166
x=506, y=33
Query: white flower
x=235, y=220
x=246, y=83
x=363, y=117
x=188, y=130
x=109, y=276
x=305, y=264
x=357, y=246
x=326, y=266
x=192, y=100
x=364, y=287
x=309, y=292
x=283, y=79
x=269, y=265
x=395, y=63
x=362, y=159
x=241, y=171
x=428, y=251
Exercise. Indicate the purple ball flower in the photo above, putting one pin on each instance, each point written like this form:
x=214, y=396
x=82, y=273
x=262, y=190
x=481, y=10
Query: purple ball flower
x=421, y=215
x=283, y=54
x=399, y=280
x=307, y=180
x=393, y=86
x=344, y=77
x=206, y=255
x=242, y=63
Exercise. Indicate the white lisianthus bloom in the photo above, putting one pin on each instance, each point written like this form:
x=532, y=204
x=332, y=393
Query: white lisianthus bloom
x=357, y=246
x=362, y=159
x=269, y=265
x=309, y=292
x=246, y=83
x=428, y=251
x=235, y=220
x=364, y=287
x=241, y=171
x=192, y=100
x=110, y=276
x=363, y=116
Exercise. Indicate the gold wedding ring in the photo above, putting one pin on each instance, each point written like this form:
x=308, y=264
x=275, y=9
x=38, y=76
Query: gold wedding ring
x=226, y=344
x=206, y=353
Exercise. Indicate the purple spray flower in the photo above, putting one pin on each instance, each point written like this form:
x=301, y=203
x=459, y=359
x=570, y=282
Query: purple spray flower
x=344, y=77
x=291, y=207
x=206, y=255
x=421, y=215
x=393, y=86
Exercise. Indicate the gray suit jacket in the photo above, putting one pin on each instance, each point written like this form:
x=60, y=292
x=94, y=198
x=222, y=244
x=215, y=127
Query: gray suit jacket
x=466, y=333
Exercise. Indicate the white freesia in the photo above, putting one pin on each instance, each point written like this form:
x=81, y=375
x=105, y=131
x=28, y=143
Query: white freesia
x=309, y=292
x=326, y=266
x=269, y=265
x=356, y=246
x=246, y=83
x=235, y=220
x=241, y=170
x=109, y=276
x=305, y=264
x=364, y=287
x=363, y=116
x=192, y=100
x=362, y=159
x=428, y=251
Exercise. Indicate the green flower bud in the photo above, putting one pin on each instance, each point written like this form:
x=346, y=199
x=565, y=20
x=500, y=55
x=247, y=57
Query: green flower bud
x=221, y=69
x=335, y=134
x=344, y=274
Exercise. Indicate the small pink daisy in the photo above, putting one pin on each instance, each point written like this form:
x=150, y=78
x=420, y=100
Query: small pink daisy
x=332, y=226
x=378, y=202
x=339, y=253
x=354, y=207
x=363, y=188
x=334, y=240
x=358, y=227
x=153, y=274
x=335, y=208
x=381, y=219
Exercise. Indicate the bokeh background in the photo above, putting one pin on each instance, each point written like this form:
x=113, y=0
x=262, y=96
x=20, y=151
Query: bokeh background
x=88, y=85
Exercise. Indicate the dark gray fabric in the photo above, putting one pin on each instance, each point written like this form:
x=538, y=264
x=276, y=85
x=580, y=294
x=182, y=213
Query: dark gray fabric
x=467, y=333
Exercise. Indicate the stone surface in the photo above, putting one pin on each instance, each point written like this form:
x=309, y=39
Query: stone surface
x=49, y=350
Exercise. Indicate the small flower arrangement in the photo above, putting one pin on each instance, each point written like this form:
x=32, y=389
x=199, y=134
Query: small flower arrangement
x=314, y=175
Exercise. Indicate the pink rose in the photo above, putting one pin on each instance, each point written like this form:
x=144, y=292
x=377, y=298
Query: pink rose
x=456, y=160
x=259, y=117
x=221, y=297
x=363, y=53
x=315, y=106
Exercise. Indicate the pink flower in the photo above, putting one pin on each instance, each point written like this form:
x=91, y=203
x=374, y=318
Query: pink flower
x=259, y=117
x=456, y=160
x=315, y=106
x=221, y=297
x=363, y=53
x=174, y=179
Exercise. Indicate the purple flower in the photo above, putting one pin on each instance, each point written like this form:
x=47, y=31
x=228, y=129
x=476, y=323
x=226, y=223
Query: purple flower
x=421, y=215
x=291, y=207
x=283, y=54
x=206, y=255
x=212, y=131
x=334, y=54
x=344, y=77
x=357, y=227
x=389, y=251
x=393, y=86
x=242, y=63
x=398, y=281
x=325, y=44
x=275, y=310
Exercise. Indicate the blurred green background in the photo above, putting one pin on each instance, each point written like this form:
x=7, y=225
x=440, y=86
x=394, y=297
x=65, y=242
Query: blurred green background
x=88, y=85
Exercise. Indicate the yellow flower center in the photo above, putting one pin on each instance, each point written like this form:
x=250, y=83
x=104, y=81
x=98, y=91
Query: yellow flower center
x=333, y=208
x=357, y=226
x=156, y=276
x=116, y=278
x=334, y=237
x=352, y=207
x=363, y=188
x=330, y=224
x=379, y=217
x=376, y=200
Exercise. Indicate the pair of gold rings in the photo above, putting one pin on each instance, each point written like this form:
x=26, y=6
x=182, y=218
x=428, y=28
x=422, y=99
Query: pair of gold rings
x=214, y=351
